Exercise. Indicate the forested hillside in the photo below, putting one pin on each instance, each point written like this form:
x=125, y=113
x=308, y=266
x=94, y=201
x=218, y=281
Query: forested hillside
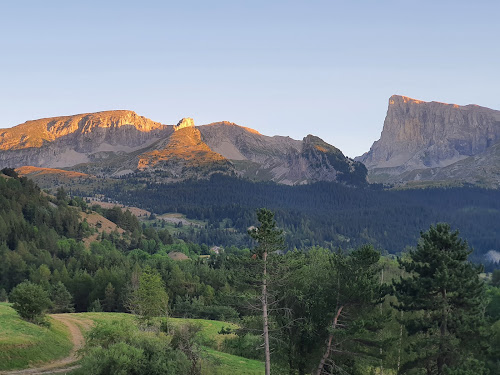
x=324, y=214
x=328, y=312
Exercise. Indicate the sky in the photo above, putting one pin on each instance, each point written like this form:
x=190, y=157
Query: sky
x=290, y=68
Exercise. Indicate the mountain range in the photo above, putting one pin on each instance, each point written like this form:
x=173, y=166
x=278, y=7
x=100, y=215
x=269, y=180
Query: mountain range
x=119, y=156
x=421, y=144
x=117, y=143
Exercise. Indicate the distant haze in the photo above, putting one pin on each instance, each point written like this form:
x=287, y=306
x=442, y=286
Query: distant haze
x=283, y=67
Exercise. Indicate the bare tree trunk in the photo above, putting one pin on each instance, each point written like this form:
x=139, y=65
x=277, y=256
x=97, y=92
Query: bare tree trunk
x=444, y=322
x=265, y=316
x=400, y=341
x=329, y=345
x=381, y=313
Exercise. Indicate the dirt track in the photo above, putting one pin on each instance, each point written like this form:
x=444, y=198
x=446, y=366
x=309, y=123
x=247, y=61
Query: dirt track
x=65, y=364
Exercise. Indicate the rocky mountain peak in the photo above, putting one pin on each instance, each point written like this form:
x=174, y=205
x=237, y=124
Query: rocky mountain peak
x=186, y=122
x=184, y=154
x=232, y=125
x=419, y=135
x=401, y=99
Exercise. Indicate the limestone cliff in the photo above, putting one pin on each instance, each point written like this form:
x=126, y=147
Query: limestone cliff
x=69, y=140
x=186, y=122
x=37, y=132
x=420, y=135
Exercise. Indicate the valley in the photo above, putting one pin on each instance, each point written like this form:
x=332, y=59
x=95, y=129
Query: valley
x=130, y=246
x=249, y=188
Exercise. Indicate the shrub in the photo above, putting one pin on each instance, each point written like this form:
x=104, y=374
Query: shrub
x=121, y=348
x=30, y=301
x=244, y=346
x=195, y=308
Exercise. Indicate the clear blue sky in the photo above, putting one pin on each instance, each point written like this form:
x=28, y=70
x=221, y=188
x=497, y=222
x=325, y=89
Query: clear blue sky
x=281, y=67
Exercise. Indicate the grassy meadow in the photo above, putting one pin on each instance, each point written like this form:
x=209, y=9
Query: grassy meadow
x=24, y=344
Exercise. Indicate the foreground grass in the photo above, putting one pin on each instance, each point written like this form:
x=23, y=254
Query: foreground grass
x=214, y=361
x=24, y=344
x=218, y=363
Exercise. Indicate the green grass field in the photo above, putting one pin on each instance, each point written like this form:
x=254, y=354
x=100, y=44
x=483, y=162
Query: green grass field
x=227, y=364
x=24, y=344
x=214, y=361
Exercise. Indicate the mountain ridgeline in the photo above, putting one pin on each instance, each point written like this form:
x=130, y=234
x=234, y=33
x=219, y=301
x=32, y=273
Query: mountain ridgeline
x=115, y=143
x=422, y=144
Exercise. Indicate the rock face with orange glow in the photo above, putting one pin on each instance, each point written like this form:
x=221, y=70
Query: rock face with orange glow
x=117, y=143
x=107, y=125
x=186, y=122
x=418, y=135
x=70, y=140
x=184, y=155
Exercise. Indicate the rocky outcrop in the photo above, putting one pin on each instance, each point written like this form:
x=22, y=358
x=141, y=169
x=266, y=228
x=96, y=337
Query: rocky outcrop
x=187, y=122
x=325, y=162
x=102, y=125
x=420, y=135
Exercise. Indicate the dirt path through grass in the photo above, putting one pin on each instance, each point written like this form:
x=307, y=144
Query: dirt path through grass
x=65, y=364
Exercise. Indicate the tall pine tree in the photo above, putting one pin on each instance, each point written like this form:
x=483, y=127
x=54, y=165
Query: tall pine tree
x=269, y=239
x=444, y=298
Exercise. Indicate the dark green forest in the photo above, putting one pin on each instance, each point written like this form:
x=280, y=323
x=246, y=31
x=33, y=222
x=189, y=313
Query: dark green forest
x=332, y=309
x=322, y=214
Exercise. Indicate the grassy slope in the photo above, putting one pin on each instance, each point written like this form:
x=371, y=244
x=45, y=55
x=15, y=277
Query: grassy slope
x=227, y=364
x=215, y=362
x=23, y=344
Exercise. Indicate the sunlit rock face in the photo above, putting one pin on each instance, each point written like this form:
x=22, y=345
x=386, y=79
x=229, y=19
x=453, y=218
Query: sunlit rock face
x=103, y=125
x=419, y=135
x=184, y=154
x=184, y=123
x=70, y=140
x=281, y=159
